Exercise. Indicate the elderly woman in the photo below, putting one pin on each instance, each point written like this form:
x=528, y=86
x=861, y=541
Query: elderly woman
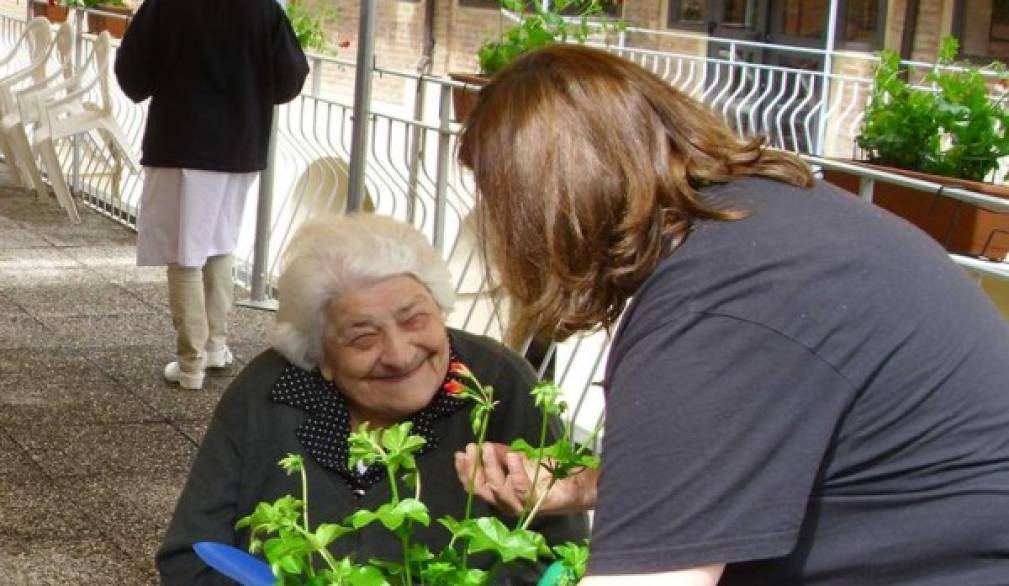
x=360, y=337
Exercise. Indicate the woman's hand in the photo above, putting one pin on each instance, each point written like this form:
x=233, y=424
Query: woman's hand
x=504, y=479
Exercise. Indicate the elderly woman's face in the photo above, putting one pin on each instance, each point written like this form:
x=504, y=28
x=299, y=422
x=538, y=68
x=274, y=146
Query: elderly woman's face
x=386, y=348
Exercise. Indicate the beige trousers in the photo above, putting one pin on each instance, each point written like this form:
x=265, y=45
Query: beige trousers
x=200, y=299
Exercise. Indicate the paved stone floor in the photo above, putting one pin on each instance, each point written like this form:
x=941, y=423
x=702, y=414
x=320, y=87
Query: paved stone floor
x=94, y=445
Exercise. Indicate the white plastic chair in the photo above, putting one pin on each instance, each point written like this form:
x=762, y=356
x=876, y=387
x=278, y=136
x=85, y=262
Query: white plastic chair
x=63, y=111
x=36, y=41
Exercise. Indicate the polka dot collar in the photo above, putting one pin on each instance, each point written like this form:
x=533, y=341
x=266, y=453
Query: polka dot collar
x=326, y=428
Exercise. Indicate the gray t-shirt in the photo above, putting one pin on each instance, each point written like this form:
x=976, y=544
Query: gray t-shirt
x=814, y=395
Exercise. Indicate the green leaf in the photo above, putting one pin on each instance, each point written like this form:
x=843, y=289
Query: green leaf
x=292, y=463
x=327, y=533
x=490, y=534
x=360, y=518
x=414, y=510
x=367, y=576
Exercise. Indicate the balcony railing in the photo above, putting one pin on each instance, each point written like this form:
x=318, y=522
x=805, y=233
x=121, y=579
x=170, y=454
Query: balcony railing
x=411, y=173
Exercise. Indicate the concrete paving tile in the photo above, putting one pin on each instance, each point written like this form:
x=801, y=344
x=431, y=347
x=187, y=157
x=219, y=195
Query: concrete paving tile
x=136, y=509
x=23, y=331
x=134, y=364
x=21, y=238
x=43, y=561
x=35, y=508
x=250, y=327
x=194, y=430
x=18, y=278
x=94, y=449
x=155, y=294
x=55, y=365
x=179, y=404
x=17, y=464
x=37, y=258
x=27, y=400
x=146, y=364
x=110, y=331
x=106, y=255
x=244, y=353
x=8, y=307
x=96, y=299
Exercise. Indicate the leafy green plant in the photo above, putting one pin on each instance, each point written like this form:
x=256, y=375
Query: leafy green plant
x=539, y=25
x=949, y=126
x=299, y=554
x=309, y=26
x=91, y=3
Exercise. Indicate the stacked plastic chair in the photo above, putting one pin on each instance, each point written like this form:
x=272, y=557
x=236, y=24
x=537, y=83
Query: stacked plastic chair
x=35, y=42
x=65, y=109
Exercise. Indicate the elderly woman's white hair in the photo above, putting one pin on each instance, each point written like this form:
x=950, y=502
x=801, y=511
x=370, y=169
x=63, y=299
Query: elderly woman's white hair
x=331, y=255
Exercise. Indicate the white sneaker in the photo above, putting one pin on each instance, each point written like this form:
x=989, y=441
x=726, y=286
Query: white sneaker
x=174, y=374
x=219, y=358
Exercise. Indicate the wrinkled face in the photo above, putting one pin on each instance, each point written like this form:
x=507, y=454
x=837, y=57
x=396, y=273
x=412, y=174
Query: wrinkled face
x=386, y=348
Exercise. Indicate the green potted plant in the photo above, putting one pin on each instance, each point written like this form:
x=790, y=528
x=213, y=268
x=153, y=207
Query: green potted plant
x=948, y=129
x=309, y=24
x=99, y=22
x=560, y=21
x=297, y=550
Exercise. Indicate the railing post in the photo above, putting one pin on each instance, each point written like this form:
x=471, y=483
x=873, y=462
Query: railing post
x=75, y=164
x=316, y=75
x=866, y=186
x=362, y=102
x=441, y=179
x=828, y=66
x=259, y=295
x=416, y=148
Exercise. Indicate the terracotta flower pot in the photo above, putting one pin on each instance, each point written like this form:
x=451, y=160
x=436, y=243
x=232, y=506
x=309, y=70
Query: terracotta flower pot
x=116, y=26
x=961, y=227
x=54, y=12
x=463, y=99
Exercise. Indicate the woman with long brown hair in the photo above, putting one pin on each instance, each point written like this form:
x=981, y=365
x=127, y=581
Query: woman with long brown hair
x=792, y=370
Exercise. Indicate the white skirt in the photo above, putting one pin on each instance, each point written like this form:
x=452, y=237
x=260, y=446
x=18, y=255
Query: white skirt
x=188, y=215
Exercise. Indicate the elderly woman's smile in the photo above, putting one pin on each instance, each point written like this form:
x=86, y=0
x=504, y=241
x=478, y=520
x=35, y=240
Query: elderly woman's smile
x=386, y=348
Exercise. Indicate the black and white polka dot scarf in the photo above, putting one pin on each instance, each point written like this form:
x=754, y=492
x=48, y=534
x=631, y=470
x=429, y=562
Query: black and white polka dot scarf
x=325, y=430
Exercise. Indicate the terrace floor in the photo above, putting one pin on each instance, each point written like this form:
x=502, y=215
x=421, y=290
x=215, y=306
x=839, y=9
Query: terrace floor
x=94, y=445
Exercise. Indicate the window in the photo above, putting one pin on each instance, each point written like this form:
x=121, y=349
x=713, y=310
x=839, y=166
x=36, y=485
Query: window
x=739, y=13
x=860, y=23
x=803, y=18
x=689, y=14
x=984, y=29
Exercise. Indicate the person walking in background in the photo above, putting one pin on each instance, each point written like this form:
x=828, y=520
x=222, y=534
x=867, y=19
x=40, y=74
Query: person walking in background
x=213, y=72
x=802, y=389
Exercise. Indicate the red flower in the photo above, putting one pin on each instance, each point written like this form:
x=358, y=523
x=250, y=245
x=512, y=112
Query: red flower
x=343, y=44
x=453, y=387
x=459, y=369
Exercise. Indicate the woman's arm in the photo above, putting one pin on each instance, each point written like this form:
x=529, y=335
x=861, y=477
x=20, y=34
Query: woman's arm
x=701, y=576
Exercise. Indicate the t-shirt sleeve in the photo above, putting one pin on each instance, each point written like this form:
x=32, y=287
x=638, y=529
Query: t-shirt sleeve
x=716, y=428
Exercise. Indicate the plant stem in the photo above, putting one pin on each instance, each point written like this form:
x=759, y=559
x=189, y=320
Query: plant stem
x=544, y=420
x=539, y=502
x=481, y=437
x=304, y=514
x=479, y=462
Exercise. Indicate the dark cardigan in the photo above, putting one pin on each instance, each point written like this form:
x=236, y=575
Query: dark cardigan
x=236, y=467
x=213, y=71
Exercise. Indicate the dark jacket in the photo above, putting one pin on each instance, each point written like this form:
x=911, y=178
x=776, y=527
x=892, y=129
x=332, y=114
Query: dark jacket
x=236, y=467
x=213, y=71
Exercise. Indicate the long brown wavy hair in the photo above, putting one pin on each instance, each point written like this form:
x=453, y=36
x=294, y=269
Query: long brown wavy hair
x=587, y=169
